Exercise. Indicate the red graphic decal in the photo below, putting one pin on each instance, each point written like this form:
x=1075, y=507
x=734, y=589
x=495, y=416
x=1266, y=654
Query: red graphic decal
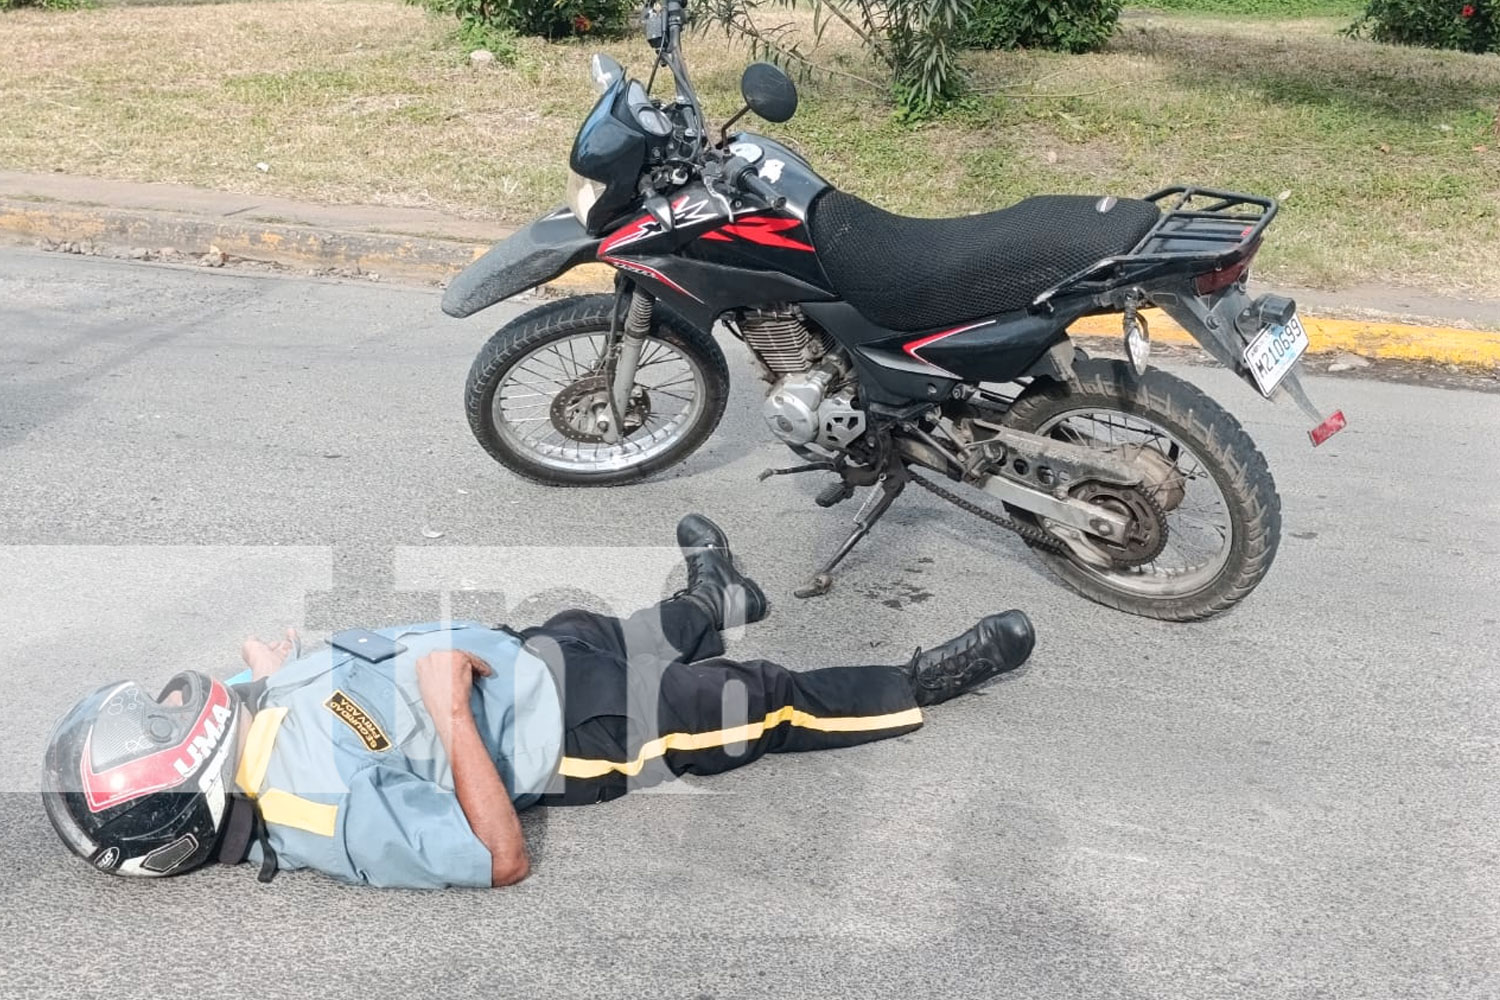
x=650, y=272
x=641, y=228
x=716, y=235
x=914, y=346
x=164, y=769
x=766, y=231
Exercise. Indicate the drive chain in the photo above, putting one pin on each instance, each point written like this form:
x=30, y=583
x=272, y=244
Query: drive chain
x=1033, y=535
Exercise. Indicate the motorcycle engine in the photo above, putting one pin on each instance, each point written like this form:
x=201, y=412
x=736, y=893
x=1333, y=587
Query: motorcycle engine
x=801, y=411
x=806, y=405
x=783, y=341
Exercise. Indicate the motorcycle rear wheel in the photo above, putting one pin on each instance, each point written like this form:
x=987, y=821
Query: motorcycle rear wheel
x=1203, y=441
x=536, y=392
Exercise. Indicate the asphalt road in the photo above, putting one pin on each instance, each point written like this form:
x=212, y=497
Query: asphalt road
x=1296, y=800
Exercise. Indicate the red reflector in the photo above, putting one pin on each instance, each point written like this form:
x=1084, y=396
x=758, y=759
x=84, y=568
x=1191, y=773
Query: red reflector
x=1328, y=428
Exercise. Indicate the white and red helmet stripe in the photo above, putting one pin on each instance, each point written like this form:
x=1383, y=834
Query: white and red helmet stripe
x=161, y=770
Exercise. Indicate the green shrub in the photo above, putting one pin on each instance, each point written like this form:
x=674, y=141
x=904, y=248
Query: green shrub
x=476, y=34
x=1467, y=25
x=482, y=22
x=48, y=4
x=915, y=43
x=554, y=18
x=1062, y=25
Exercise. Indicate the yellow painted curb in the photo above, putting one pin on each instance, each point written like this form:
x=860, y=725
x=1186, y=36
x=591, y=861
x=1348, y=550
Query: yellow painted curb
x=585, y=278
x=1370, y=338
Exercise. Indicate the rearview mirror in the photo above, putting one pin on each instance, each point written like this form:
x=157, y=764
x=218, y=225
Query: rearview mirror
x=769, y=92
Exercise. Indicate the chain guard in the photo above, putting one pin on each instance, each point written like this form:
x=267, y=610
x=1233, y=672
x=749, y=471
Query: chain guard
x=1147, y=513
x=1141, y=507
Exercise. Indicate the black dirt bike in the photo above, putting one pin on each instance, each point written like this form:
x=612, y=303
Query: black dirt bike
x=893, y=344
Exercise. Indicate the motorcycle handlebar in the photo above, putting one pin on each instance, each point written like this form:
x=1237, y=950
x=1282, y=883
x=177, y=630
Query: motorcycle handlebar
x=758, y=185
x=743, y=176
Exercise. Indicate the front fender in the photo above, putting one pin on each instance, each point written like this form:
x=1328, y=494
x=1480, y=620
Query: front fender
x=527, y=258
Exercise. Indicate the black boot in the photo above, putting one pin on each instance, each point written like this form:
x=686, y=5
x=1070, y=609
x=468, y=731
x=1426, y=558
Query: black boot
x=729, y=597
x=997, y=644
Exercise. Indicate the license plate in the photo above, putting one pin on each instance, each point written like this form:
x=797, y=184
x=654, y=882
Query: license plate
x=1274, y=352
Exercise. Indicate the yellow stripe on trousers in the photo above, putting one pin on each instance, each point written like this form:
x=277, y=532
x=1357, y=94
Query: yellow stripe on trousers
x=280, y=808
x=579, y=767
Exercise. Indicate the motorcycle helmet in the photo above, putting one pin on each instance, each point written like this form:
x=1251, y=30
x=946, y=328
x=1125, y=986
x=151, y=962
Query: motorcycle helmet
x=141, y=786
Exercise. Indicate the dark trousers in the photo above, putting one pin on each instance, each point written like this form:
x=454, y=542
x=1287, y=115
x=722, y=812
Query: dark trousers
x=652, y=696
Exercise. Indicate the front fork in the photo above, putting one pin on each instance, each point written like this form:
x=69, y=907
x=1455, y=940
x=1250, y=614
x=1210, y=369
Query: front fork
x=624, y=354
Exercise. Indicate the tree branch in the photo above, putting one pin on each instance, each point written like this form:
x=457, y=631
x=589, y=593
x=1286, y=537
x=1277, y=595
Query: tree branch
x=744, y=22
x=832, y=6
x=822, y=68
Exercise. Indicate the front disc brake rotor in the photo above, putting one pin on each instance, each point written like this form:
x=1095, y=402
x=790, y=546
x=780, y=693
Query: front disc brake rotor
x=1146, y=533
x=581, y=411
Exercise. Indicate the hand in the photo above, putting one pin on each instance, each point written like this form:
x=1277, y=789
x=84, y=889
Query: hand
x=446, y=679
x=265, y=659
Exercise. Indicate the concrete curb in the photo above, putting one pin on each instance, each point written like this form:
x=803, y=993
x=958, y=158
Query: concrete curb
x=393, y=255
x=292, y=246
x=433, y=259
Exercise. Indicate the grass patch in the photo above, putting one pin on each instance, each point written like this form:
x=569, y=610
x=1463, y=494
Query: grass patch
x=1260, y=8
x=1390, y=157
x=294, y=86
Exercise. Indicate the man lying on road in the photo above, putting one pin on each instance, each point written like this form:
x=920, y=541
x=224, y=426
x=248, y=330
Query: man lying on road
x=400, y=757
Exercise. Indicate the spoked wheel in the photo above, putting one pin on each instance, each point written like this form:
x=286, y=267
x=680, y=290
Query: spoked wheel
x=1205, y=521
x=538, y=396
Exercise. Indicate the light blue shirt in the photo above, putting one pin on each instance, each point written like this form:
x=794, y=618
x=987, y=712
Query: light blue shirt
x=348, y=771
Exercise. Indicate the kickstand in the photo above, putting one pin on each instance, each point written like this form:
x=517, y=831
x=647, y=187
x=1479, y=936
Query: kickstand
x=794, y=470
x=873, y=510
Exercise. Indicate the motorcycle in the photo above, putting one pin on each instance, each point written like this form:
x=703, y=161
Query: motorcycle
x=893, y=344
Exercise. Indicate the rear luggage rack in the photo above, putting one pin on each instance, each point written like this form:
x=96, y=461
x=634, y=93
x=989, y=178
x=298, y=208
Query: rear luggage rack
x=1189, y=233
x=1232, y=222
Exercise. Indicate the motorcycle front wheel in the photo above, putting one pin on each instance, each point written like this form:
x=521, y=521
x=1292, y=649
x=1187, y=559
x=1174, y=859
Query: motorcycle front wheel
x=1219, y=513
x=537, y=396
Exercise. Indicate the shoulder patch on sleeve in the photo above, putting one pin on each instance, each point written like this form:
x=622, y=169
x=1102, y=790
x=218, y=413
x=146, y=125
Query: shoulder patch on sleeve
x=356, y=718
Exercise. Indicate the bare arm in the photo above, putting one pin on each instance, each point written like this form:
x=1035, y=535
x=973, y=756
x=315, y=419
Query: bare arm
x=264, y=660
x=446, y=679
x=485, y=802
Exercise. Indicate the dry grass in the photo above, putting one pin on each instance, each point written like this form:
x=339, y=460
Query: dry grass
x=373, y=102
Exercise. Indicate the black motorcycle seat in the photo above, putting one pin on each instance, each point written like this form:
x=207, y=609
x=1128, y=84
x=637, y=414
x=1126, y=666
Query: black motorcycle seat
x=916, y=274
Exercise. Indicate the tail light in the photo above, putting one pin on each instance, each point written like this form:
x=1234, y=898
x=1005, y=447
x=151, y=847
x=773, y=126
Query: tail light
x=1215, y=281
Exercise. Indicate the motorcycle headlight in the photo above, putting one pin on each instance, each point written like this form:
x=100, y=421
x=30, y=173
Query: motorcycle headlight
x=582, y=195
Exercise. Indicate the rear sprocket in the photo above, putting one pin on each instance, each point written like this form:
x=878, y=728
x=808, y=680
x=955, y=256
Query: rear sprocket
x=1146, y=532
